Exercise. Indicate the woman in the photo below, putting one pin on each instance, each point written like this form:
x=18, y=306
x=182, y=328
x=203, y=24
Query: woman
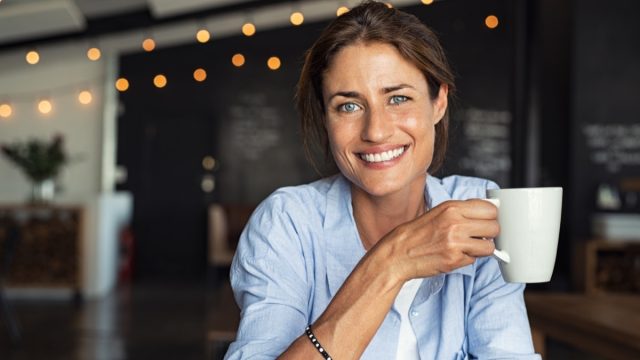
x=381, y=261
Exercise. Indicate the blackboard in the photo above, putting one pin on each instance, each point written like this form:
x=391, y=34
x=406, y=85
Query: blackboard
x=613, y=147
x=483, y=143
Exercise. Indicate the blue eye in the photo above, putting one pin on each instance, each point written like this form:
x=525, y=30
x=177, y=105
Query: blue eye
x=398, y=99
x=348, y=107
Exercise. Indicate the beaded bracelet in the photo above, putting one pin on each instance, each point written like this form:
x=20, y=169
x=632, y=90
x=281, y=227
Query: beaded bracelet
x=315, y=343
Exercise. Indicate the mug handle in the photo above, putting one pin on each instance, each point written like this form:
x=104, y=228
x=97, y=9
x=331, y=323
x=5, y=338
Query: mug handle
x=499, y=254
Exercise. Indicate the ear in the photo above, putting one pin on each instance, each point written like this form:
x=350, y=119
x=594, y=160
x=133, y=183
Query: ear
x=440, y=103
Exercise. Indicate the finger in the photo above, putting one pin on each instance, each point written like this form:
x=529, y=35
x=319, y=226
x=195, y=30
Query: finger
x=487, y=229
x=479, y=209
x=478, y=247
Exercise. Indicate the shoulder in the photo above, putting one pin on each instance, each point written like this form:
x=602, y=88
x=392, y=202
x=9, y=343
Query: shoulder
x=464, y=187
x=287, y=219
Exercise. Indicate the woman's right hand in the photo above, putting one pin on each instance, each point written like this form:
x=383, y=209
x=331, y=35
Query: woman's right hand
x=449, y=236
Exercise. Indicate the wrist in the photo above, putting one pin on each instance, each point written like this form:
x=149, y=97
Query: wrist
x=381, y=263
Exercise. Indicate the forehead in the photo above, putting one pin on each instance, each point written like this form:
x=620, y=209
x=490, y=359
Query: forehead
x=371, y=64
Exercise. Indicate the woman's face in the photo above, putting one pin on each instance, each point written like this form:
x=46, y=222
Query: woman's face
x=380, y=118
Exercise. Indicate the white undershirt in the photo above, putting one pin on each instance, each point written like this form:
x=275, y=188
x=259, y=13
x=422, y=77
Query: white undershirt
x=407, y=342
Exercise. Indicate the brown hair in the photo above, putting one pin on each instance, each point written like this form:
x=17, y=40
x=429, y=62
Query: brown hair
x=371, y=21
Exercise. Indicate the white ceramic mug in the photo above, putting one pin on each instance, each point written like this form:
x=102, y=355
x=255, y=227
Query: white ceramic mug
x=529, y=221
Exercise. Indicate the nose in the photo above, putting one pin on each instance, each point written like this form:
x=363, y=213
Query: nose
x=378, y=126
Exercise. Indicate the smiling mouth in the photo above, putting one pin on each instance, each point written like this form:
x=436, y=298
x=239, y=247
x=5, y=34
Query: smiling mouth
x=382, y=156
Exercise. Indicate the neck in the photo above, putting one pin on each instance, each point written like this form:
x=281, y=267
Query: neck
x=376, y=216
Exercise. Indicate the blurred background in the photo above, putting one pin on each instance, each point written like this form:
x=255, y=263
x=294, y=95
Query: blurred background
x=139, y=135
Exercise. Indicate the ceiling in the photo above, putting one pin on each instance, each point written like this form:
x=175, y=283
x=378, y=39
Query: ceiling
x=23, y=21
x=120, y=24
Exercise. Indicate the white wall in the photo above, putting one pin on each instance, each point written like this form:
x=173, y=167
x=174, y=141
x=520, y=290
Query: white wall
x=23, y=85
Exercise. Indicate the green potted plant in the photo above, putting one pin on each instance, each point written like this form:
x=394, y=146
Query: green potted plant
x=41, y=161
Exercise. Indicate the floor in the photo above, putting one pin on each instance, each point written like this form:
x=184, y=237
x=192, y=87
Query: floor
x=142, y=322
x=153, y=321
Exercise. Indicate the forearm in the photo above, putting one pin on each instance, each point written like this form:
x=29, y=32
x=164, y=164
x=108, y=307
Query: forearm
x=356, y=312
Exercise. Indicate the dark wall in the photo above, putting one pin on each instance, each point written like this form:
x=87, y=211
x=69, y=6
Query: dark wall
x=605, y=102
x=482, y=114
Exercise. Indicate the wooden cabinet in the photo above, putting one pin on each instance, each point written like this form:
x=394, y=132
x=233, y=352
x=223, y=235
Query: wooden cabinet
x=43, y=244
x=609, y=266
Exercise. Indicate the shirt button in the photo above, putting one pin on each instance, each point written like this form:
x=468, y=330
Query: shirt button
x=414, y=313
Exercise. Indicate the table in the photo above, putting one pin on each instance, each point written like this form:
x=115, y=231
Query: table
x=605, y=324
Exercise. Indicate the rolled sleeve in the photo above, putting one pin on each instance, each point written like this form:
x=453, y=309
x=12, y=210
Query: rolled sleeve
x=269, y=281
x=498, y=327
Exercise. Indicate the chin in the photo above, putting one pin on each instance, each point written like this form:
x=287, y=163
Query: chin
x=380, y=189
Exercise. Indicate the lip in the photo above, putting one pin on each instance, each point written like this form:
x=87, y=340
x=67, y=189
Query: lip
x=380, y=149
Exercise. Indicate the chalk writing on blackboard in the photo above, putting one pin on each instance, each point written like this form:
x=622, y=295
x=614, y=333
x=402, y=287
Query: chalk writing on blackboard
x=487, y=146
x=254, y=126
x=613, y=146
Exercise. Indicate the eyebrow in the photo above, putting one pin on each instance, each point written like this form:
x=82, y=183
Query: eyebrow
x=355, y=94
x=396, y=87
x=347, y=94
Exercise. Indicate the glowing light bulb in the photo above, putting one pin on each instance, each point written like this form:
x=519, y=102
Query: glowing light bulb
x=248, y=29
x=45, y=107
x=160, y=81
x=296, y=18
x=237, y=60
x=274, y=63
x=427, y=2
x=200, y=75
x=203, y=36
x=122, y=84
x=148, y=44
x=94, y=54
x=5, y=110
x=32, y=57
x=342, y=10
x=491, y=21
x=85, y=97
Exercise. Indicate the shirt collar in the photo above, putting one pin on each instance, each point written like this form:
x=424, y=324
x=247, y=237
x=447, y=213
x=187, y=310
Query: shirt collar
x=344, y=248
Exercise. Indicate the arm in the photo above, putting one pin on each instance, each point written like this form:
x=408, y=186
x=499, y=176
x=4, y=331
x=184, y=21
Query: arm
x=437, y=242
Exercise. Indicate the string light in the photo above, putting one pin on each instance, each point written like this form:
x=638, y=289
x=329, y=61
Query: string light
x=148, y=44
x=296, y=18
x=427, y=2
x=389, y=5
x=45, y=107
x=5, y=110
x=85, y=97
x=203, y=36
x=200, y=75
x=248, y=29
x=237, y=60
x=122, y=84
x=342, y=10
x=94, y=54
x=160, y=81
x=32, y=57
x=274, y=63
x=491, y=21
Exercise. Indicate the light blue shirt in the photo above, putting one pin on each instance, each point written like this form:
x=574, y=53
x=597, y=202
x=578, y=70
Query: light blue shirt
x=301, y=244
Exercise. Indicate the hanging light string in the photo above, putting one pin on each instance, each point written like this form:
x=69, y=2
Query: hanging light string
x=27, y=96
x=148, y=42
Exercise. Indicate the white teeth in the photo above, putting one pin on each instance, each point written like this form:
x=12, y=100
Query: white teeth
x=383, y=156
